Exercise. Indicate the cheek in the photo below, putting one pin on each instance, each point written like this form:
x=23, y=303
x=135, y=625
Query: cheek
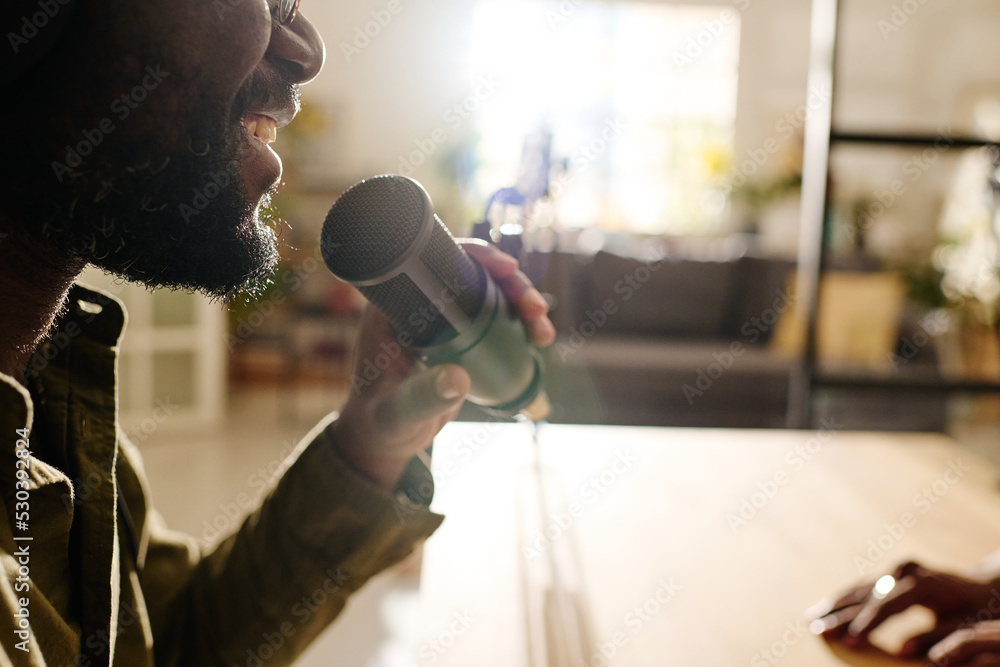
x=232, y=40
x=208, y=52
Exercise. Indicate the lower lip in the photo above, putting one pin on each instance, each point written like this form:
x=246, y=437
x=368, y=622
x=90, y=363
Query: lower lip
x=261, y=166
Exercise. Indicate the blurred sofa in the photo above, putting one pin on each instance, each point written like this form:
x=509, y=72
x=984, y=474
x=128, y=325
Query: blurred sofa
x=686, y=341
x=680, y=342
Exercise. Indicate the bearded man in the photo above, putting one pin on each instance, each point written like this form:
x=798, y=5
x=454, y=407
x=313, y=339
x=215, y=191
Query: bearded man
x=117, y=110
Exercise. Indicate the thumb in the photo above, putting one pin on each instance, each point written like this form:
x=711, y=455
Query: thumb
x=427, y=394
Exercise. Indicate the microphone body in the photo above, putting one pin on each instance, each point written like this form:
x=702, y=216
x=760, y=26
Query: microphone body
x=383, y=237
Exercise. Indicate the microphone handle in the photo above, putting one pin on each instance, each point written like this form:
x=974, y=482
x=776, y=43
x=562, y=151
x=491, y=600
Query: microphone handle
x=505, y=369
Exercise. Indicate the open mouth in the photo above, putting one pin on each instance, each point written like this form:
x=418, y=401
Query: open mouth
x=262, y=128
x=261, y=166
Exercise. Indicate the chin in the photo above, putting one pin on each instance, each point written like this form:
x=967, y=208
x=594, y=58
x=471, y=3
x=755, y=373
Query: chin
x=227, y=250
x=173, y=218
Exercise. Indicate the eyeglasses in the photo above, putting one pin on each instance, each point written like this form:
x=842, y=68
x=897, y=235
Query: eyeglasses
x=287, y=10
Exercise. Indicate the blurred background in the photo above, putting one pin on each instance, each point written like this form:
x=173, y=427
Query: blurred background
x=645, y=162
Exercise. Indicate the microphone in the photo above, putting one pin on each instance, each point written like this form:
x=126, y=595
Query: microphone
x=383, y=237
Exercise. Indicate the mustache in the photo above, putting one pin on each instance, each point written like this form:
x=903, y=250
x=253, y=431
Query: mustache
x=265, y=90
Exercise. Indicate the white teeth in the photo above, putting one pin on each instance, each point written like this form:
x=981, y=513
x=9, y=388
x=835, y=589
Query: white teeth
x=265, y=129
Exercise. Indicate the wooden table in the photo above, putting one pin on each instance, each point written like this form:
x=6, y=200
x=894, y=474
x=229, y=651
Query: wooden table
x=682, y=546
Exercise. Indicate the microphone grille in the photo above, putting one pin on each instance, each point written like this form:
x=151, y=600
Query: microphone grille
x=372, y=225
x=410, y=313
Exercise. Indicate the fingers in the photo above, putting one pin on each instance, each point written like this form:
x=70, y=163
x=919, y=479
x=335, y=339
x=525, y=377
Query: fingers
x=532, y=308
x=499, y=264
x=833, y=615
x=874, y=612
x=950, y=597
x=830, y=605
x=857, y=613
x=526, y=301
x=835, y=624
x=425, y=396
x=379, y=348
x=921, y=644
x=866, y=607
x=978, y=646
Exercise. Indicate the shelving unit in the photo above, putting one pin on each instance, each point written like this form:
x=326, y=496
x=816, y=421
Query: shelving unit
x=820, y=136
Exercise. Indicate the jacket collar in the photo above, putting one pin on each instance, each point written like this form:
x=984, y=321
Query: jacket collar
x=92, y=316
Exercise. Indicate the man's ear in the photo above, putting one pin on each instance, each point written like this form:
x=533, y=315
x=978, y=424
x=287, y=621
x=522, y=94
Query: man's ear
x=29, y=29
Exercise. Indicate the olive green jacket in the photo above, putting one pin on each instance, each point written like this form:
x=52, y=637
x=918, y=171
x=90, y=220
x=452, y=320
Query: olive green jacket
x=89, y=573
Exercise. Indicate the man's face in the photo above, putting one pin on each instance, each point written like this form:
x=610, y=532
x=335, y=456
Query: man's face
x=145, y=138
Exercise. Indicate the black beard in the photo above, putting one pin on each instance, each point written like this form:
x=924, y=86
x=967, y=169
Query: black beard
x=178, y=219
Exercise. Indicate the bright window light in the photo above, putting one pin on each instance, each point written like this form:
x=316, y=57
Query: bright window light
x=640, y=100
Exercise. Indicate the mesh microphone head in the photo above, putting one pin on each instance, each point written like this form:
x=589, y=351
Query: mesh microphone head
x=372, y=227
x=383, y=237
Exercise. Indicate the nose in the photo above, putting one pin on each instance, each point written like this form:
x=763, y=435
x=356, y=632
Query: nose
x=298, y=49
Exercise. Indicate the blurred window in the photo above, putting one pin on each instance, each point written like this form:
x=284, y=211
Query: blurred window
x=639, y=98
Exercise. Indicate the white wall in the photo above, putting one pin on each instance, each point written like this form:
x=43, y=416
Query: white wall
x=904, y=66
x=396, y=90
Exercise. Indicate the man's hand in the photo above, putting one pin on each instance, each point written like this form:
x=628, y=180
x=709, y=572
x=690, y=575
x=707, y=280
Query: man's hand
x=388, y=420
x=954, y=600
